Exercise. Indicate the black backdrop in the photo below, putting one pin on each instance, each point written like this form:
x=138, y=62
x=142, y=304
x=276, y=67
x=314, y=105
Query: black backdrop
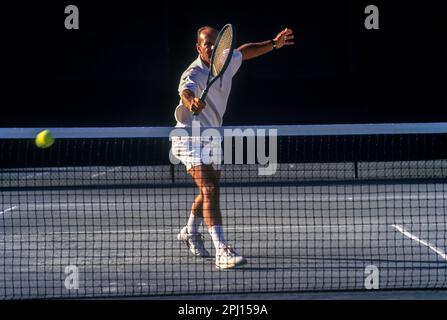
x=123, y=66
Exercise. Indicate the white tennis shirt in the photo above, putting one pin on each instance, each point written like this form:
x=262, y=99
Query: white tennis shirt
x=194, y=79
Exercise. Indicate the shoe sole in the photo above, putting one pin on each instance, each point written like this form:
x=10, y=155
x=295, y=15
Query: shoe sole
x=232, y=266
x=180, y=237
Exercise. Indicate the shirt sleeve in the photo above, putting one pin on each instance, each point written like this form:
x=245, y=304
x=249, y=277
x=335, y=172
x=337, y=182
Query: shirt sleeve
x=190, y=81
x=236, y=61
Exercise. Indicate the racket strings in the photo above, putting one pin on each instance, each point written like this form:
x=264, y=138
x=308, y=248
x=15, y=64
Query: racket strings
x=222, y=50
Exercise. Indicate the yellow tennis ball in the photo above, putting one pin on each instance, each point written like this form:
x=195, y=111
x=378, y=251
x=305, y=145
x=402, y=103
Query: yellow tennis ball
x=44, y=139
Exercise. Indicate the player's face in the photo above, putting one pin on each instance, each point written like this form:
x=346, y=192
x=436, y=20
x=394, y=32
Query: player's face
x=205, y=46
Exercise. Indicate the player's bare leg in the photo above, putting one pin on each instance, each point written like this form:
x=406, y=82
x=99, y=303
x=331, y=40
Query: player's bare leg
x=207, y=180
x=190, y=233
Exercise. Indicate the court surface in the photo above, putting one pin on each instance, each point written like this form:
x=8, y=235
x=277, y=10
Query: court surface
x=318, y=237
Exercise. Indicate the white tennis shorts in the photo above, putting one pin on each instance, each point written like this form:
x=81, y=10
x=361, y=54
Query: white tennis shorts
x=196, y=151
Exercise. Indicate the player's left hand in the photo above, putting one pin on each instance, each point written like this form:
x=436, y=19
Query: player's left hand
x=284, y=38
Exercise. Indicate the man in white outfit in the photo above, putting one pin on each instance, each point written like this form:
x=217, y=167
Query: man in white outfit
x=210, y=112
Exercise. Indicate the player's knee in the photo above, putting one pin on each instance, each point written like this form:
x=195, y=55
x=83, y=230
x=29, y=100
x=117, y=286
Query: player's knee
x=209, y=189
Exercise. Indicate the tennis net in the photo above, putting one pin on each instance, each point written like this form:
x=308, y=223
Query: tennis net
x=342, y=207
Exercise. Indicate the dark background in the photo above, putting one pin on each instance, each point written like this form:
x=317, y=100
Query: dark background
x=123, y=66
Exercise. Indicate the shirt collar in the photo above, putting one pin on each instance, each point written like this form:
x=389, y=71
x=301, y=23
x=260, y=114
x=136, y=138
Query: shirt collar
x=201, y=64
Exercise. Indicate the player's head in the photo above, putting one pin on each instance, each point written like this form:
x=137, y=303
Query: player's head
x=206, y=37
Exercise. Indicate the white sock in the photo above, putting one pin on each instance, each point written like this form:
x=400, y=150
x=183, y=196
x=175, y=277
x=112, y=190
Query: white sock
x=217, y=234
x=193, y=223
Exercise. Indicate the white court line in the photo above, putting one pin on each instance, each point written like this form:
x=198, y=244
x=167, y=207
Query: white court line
x=402, y=230
x=9, y=209
x=61, y=205
x=244, y=229
x=35, y=175
x=105, y=172
x=42, y=173
x=241, y=229
x=339, y=198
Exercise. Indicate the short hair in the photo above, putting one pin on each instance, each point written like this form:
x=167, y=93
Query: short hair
x=199, y=31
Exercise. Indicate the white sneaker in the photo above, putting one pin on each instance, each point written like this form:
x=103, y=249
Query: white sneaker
x=194, y=242
x=227, y=258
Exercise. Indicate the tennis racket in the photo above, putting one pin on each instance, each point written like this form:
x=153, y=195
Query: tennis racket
x=220, y=59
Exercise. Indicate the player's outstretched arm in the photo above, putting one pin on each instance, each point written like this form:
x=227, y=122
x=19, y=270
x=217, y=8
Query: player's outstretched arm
x=253, y=50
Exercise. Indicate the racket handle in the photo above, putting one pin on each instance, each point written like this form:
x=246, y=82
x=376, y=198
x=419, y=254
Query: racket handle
x=195, y=113
x=202, y=98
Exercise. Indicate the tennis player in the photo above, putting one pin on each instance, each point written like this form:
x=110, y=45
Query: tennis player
x=206, y=176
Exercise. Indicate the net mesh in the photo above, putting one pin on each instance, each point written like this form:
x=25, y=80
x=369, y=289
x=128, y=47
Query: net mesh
x=222, y=50
x=99, y=217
